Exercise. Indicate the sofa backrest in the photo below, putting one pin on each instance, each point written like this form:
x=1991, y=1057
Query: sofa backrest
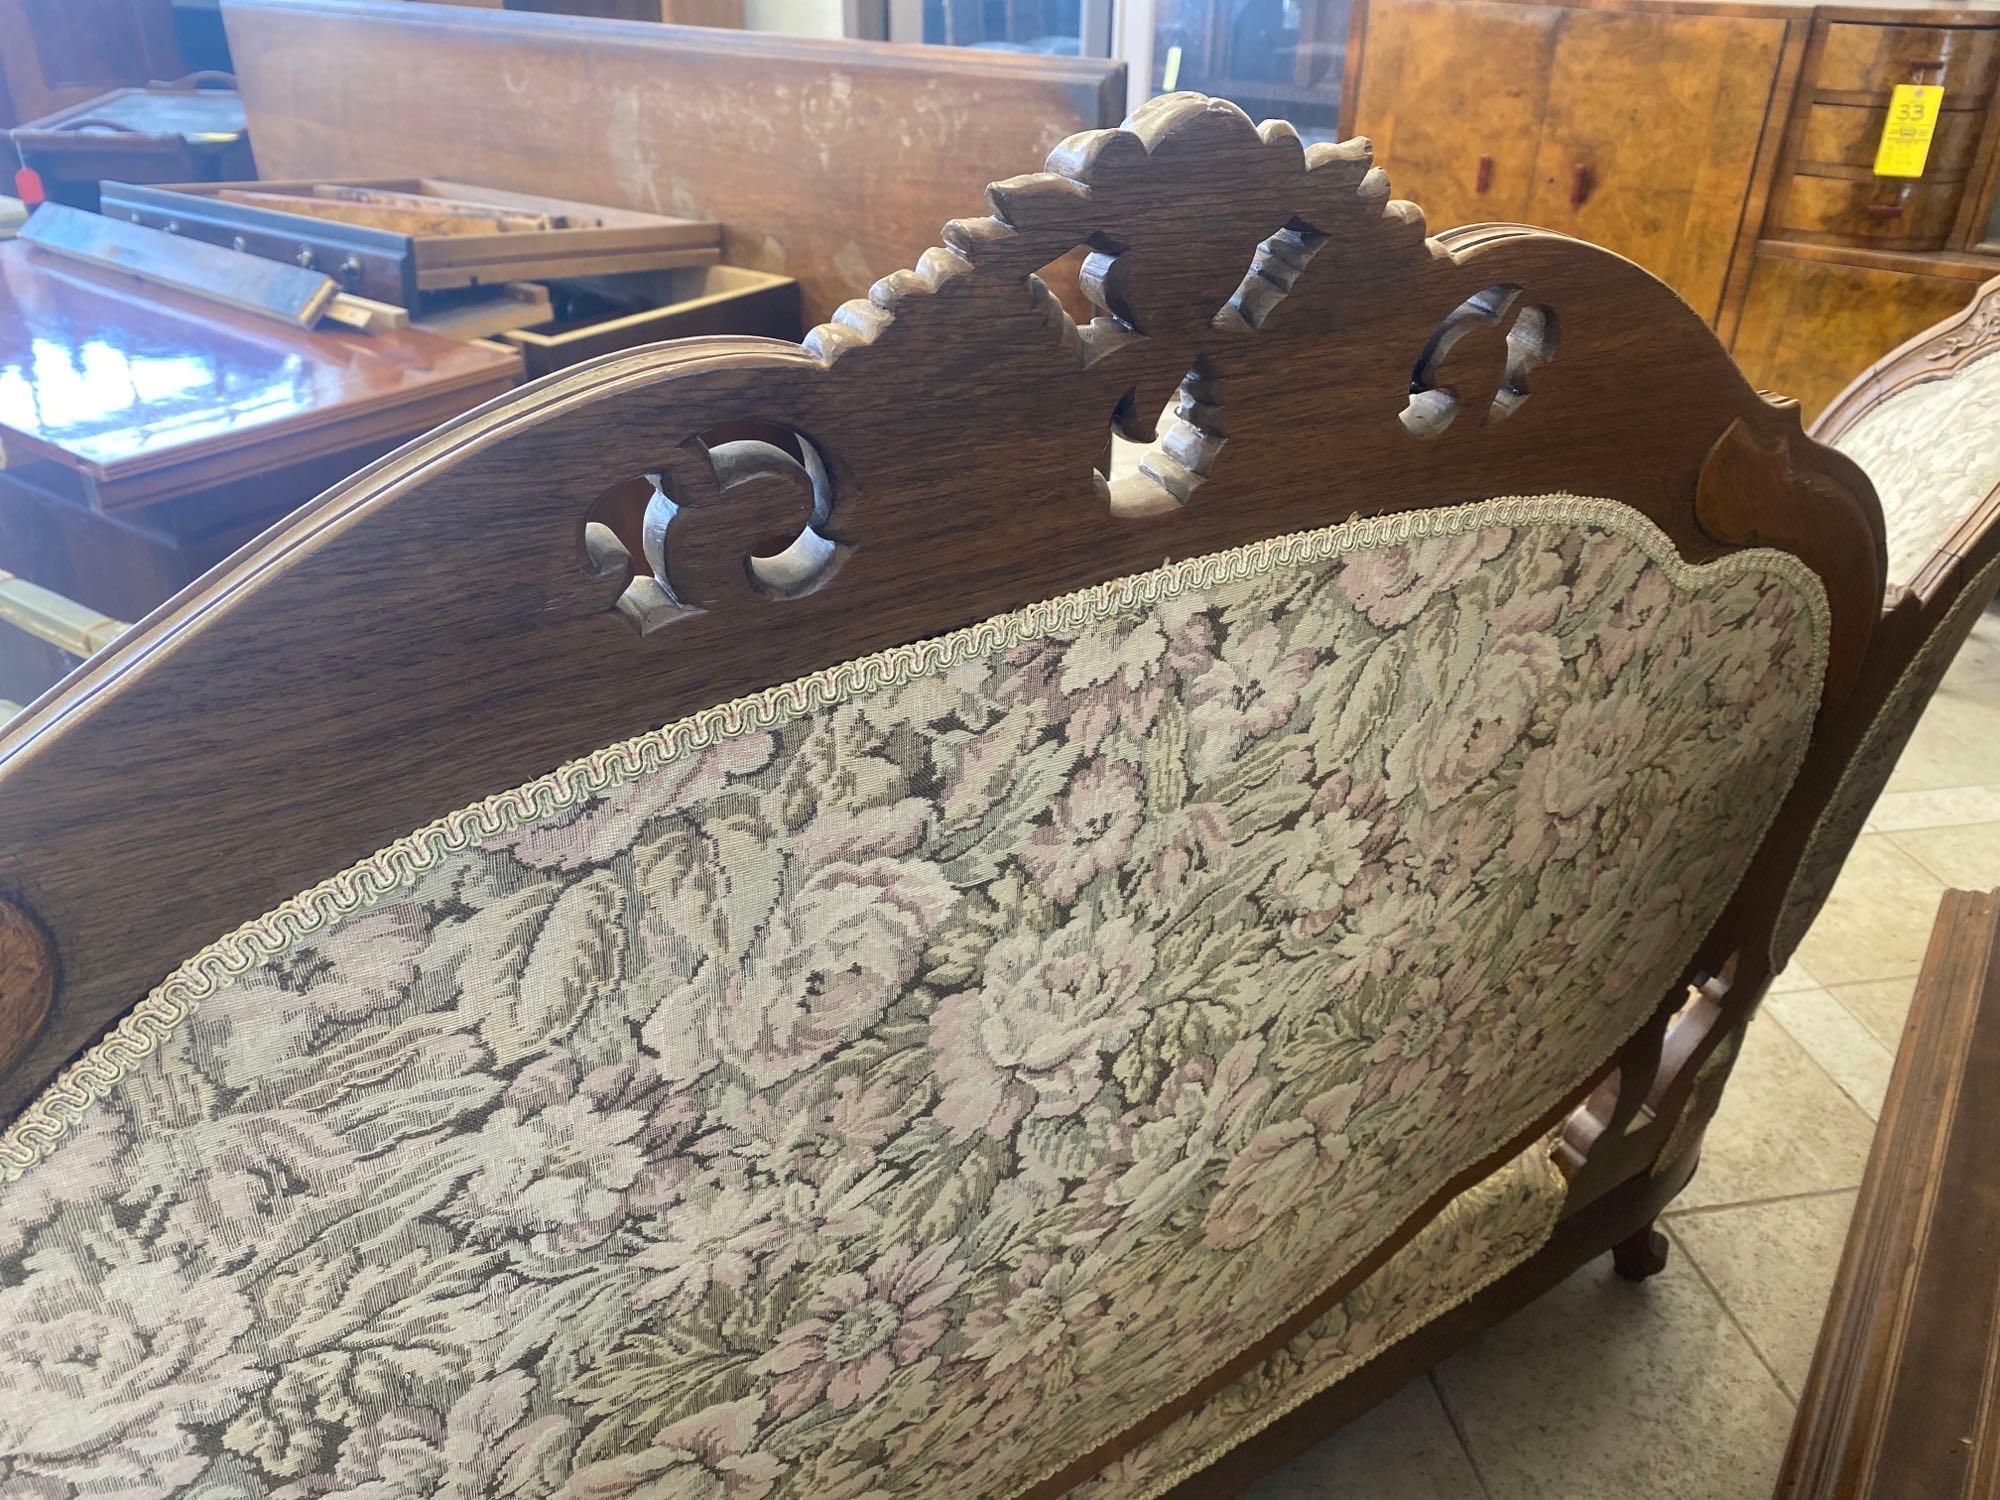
x=1924, y=422
x=1024, y=980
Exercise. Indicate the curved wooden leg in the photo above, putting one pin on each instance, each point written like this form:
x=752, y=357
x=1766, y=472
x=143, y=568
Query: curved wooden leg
x=1640, y=1254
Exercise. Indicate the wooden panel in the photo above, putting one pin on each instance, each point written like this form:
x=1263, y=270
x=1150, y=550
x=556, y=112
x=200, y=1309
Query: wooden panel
x=1653, y=122
x=832, y=162
x=55, y=53
x=1874, y=59
x=1888, y=212
x=1809, y=327
x=1446, y=85
x=1847, y=135
x=1900, y=1401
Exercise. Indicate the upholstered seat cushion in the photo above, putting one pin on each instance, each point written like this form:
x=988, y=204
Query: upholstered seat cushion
x=1933, y=452
x=1482, y=1234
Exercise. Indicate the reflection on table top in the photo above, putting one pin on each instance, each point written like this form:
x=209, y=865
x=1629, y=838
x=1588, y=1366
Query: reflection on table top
x=121, y=380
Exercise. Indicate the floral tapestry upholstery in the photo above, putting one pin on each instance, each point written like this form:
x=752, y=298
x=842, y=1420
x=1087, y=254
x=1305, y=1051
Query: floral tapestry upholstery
x=1481, y=1235
x=1933, y=453
x=1867, y=772
x=901, y=1081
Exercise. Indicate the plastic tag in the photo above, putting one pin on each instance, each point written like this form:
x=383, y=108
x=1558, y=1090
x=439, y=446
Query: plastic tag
x=1906, y=134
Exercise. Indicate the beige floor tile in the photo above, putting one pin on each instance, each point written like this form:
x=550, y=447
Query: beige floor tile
x=1403, y=1448
x=1947, y=807
x=1936, y=757
x=1979, y=658
x=1603, y=1389
x=1878, y=920
x=1793, y=977
x=1772, y=1264
x=1784, y=1127
x=1882, y=1007
x=1968, y=858
x=1846, y=1050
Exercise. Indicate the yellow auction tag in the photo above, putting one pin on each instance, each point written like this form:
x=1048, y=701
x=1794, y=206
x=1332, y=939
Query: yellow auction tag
x=1906, y=134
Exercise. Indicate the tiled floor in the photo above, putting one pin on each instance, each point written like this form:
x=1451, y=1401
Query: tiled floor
x=1683, y=1388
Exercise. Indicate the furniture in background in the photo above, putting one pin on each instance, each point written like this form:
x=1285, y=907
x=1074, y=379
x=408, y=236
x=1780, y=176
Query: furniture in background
x=191, y=130
x=1899, y=1403
x=42, y=638
x=1924, y=421
x=1037, y=1013
x=145, y=434
x=412, y=240
x=55, y=53
x=831, y=162
x=1727, y=147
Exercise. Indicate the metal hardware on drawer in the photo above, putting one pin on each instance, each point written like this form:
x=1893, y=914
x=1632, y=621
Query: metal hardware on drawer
x=1579, y=184
x=1482, y=178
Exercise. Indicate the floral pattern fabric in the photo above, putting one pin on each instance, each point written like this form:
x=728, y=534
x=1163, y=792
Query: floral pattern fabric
x=903, y=1081
x=1868, y=771
x=1933, y=453
x=1482, y=1234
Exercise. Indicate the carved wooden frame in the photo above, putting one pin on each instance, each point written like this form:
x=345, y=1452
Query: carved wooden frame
x=458, y=618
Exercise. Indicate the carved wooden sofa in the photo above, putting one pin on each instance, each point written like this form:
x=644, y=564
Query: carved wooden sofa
x=1095, y=968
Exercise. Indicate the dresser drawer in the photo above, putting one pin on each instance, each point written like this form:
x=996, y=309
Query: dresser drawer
x=1888, y=212
x=1846, y=135
x=1862, y=59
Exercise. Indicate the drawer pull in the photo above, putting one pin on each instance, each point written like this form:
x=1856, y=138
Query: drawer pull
x=1482, y=176
x=1579, y=184
x=1884, y=210
x=1926, y=65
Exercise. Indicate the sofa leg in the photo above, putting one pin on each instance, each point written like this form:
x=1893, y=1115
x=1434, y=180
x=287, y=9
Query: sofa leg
x=1640, y=1254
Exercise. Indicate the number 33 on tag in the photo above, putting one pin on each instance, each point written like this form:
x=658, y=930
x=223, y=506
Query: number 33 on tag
x=1906, y=134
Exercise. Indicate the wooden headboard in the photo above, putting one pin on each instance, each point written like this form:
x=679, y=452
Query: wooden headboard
x=833, y=162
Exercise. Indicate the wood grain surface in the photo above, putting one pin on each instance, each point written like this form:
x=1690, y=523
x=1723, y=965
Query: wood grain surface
x=832, y=162
x=1900, y=1401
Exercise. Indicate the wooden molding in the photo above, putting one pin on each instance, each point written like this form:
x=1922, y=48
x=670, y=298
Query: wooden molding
x=1900, y=1400
x=1935, y=354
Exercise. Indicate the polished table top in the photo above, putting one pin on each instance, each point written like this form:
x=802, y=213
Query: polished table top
x=148, y=393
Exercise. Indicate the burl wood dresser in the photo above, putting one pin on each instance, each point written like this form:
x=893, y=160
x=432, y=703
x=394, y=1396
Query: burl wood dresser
x=1729, y=146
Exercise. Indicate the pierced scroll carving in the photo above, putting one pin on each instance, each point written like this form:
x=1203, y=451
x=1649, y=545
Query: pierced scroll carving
x=1485, y=344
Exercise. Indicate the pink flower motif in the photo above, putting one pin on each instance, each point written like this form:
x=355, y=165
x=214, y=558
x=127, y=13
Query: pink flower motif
x=568, y=1163
x=1090, y=830
x=812, y=1131
x=1031, y=1039
x=1245, y=694
x=1391, y=585
x=611, y=822
x=1486, y=711
x=1281, y=1168
x=1600, y=744
x=1048, y=1329
x=1336, y=849
x=862, y=1327
x=715, y=1239
x=709, y=1456
x=825, y=964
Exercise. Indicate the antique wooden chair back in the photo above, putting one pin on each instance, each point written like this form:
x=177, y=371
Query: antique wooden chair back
x=1077, y=921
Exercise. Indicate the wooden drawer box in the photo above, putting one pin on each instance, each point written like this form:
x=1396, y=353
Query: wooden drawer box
x=694, y=300
x=1846, y=135
x=1863, y=59
x=401, y=265
x=1890, y=213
